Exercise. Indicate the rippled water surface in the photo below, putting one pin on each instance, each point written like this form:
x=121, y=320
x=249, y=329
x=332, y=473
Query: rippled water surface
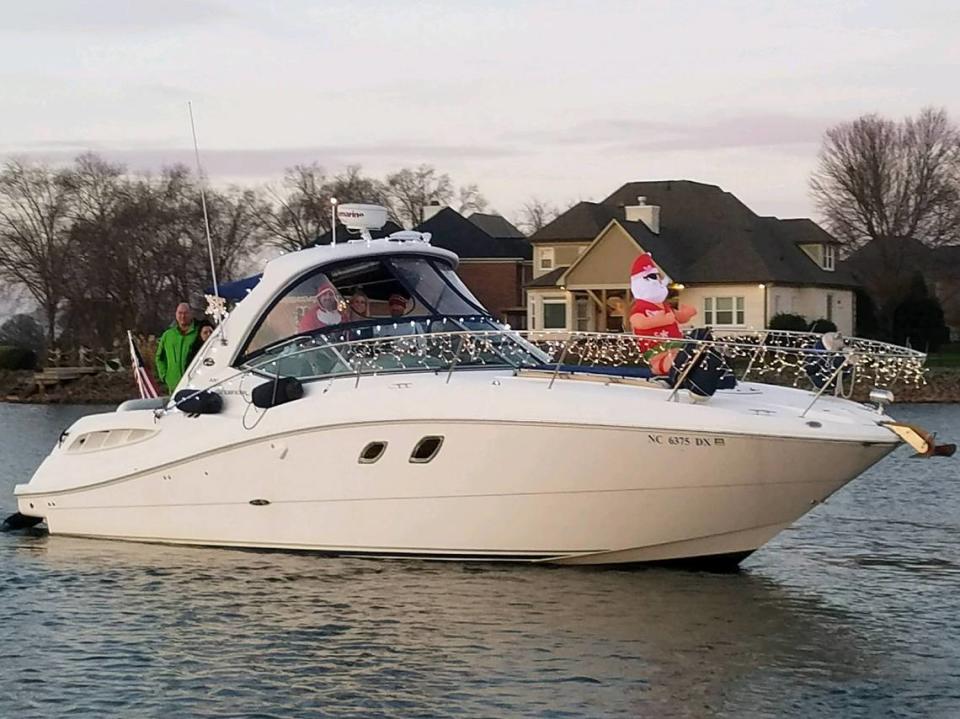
x=854, y=612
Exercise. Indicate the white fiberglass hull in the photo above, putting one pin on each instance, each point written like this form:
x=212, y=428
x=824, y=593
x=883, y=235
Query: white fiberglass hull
x=560, y=485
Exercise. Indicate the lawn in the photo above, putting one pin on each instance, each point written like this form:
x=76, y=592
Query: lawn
x=948, y=356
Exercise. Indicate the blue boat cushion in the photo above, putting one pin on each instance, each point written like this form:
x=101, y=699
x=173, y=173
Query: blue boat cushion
x=640, y=372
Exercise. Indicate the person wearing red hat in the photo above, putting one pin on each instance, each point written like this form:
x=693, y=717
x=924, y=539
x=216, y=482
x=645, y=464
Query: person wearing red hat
x=397, y=304
x=652, y=316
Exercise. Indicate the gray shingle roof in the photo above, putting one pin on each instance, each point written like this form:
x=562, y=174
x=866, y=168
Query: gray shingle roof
x=496, y=226
x=582, y=223
x=551, y=279
x=452, y=231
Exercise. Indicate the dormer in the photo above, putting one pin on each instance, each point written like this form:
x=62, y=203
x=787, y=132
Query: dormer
x=823, y=253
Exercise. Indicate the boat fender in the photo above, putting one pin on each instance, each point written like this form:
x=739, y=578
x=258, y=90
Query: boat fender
x=19, y=521
x=192, y=402
x=280, y=391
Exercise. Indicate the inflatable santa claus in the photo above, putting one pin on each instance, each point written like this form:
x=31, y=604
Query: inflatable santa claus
x=652, y=316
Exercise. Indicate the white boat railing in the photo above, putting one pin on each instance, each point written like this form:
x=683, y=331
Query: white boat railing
x=786, y=357
x=789, y=357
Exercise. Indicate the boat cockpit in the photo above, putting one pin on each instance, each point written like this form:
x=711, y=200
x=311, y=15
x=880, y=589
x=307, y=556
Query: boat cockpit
x=367, y=304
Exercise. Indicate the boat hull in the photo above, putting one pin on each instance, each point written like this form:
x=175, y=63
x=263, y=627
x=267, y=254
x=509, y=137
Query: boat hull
x=508, y=490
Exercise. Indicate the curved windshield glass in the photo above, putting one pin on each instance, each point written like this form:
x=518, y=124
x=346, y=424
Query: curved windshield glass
x=379, y=296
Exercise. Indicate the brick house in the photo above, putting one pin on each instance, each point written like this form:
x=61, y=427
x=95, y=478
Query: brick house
x=495, y=258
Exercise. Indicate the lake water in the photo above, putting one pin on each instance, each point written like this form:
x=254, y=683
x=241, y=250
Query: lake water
x=854, y=612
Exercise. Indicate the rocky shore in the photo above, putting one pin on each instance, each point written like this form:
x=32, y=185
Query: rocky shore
x=101, y=388
x=943, y=385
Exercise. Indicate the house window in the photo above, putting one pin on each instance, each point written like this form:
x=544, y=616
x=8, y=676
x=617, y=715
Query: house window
x=546, y=258
x=829, y=257
x=582, y=307
x=720, y=311
x=830, y=307
x=554, y=314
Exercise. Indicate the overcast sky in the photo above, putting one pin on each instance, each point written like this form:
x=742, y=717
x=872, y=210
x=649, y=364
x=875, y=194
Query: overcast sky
x=562, y=100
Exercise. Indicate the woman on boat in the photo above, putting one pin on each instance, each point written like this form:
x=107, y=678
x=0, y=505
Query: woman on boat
x=358, y=309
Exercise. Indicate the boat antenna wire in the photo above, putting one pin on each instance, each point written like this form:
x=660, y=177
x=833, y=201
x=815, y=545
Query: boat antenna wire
x=203, y=204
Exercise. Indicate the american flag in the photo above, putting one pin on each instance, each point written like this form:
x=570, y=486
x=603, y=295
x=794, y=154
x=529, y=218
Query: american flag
x=146, y=386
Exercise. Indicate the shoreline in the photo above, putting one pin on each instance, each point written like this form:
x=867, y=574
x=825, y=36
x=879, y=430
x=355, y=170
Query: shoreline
x=17, y=387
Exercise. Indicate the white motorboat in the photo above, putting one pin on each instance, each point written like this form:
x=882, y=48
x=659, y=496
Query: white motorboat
x=361, y=401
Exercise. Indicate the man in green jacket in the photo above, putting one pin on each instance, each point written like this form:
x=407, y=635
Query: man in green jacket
x=174, y=348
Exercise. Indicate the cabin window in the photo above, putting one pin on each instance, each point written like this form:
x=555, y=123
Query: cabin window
x=720, y=311
x=426, y=449
x=372, y=452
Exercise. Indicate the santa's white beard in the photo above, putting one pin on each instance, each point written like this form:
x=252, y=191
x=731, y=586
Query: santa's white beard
x=328, y=317
x=649, y=290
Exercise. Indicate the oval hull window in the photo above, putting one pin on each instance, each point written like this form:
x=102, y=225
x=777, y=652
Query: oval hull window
x=372, y=452
x=426, y=449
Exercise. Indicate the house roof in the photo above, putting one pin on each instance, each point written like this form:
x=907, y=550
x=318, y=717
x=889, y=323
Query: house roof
x=581, y=223
x=496, y=226
x=551, y=279
x=707, y=236
x=881, y=260
x=452, y=231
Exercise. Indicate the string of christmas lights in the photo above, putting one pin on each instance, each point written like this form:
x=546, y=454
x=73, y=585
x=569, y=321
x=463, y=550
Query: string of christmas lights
x=790, y=357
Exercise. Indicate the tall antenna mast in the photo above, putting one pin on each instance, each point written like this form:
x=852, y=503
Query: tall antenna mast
x=203, y=203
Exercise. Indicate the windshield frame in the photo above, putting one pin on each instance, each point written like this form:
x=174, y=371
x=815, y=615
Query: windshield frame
x=438, y=264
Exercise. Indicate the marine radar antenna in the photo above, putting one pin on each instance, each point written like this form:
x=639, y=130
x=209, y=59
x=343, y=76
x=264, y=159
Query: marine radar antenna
x=362, y=218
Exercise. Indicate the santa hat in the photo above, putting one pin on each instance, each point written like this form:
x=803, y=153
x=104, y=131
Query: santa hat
x=643, y=265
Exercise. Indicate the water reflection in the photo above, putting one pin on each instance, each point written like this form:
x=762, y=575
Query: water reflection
x=851, y=613
x=410, y=636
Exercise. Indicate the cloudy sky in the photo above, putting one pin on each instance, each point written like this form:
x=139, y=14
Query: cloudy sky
x=562, y=100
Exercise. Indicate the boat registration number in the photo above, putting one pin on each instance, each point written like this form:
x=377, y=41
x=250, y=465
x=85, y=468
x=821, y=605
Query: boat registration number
x=680, y=440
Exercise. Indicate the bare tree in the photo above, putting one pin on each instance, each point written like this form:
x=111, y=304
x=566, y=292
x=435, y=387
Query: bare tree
x=536, y=214
x=878, y=179
x=301, y=212
x=35, y=207
x=890, y=185
x=469, y=200
x=352, y=186
x=410, y=190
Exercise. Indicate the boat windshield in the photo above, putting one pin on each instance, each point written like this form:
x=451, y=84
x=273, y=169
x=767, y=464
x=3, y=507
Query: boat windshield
x=373, y=290
x=380, y=314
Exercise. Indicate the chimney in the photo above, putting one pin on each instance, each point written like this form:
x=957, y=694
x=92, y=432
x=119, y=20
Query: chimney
x=642, y=212
x=430, y=209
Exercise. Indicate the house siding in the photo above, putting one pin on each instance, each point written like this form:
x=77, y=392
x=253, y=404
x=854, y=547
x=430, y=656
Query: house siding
x=811, y=303
x=753, y=315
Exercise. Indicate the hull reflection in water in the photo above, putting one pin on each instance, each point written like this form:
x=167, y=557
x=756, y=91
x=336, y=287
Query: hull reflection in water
x=440, y=639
